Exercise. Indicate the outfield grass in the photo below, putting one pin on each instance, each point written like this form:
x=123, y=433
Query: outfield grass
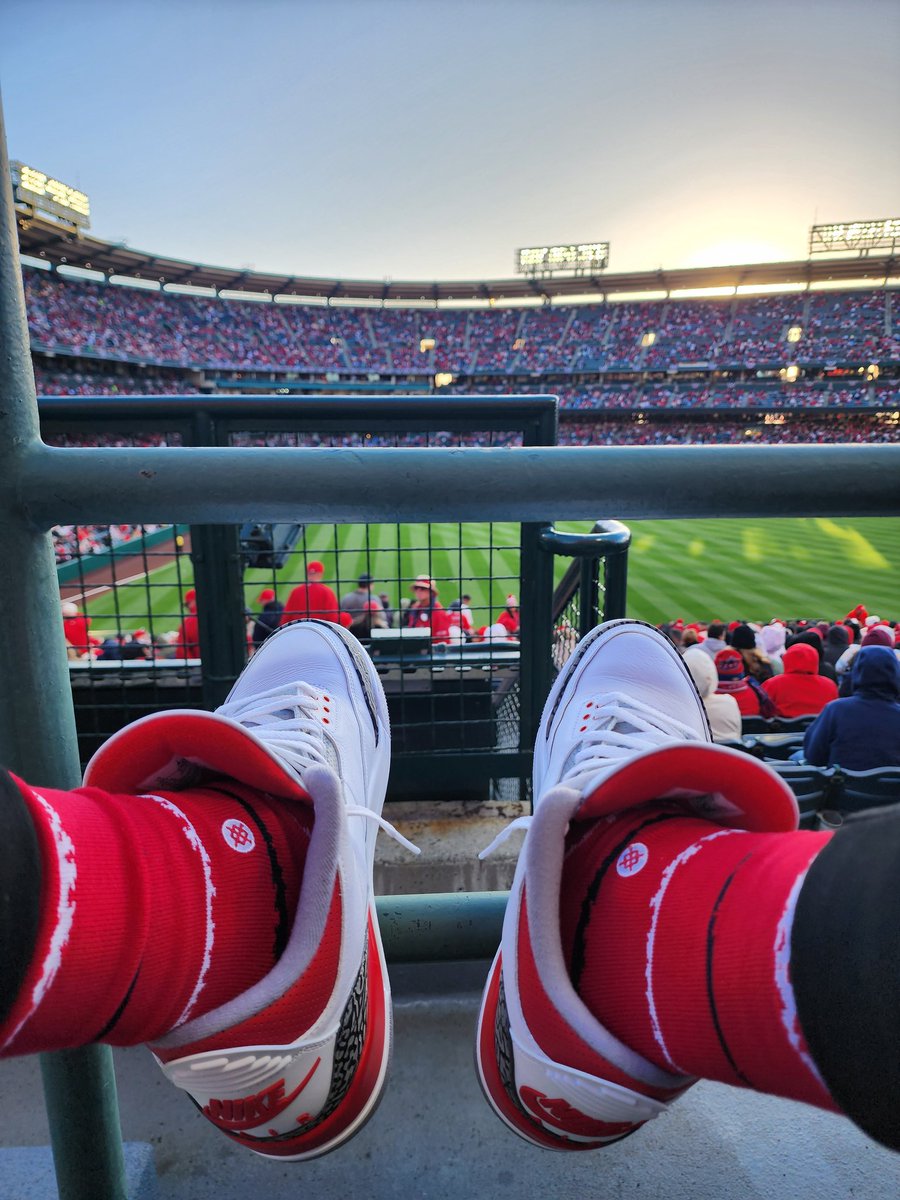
x=697, y=569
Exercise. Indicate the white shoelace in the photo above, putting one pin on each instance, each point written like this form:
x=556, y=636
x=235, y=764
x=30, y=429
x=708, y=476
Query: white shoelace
x=615, y=726
x=285, y=719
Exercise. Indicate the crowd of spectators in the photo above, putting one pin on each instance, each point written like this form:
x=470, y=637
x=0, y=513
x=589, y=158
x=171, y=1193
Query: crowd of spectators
x=843, y=674
x=75, y=379
x=161, y=328
x=79, y=541
x=644, y=431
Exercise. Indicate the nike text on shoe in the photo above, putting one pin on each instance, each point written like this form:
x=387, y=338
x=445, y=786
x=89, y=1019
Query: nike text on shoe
x=295, y=1065
x=623, y=726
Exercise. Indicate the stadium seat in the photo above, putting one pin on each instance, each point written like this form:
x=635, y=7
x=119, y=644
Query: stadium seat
x=860, y=790
x=779, y=746
x=813, y=788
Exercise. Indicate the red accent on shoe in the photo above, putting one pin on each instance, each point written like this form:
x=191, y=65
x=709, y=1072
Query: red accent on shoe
x=364, y=1093
x=554, y=1036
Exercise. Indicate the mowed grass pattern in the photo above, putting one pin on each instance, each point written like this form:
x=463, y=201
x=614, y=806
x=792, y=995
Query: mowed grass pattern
x=697, y=570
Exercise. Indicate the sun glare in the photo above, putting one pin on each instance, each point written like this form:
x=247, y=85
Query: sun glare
x=738, y=252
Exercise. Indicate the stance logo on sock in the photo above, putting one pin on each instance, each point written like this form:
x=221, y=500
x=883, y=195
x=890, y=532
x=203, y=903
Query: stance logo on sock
x=632, y=859
x=238, y=835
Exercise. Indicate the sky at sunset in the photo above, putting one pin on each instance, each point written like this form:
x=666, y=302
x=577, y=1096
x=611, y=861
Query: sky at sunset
x=428, y=139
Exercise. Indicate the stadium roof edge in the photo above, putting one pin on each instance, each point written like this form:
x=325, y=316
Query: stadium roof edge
x=49, y=241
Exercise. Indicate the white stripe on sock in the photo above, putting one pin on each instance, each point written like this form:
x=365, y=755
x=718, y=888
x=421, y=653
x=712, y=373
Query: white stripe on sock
x=782, y=965
x=196, y=844
x=655, y=905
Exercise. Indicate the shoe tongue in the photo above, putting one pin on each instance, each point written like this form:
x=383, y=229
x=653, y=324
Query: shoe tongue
x=625, y=727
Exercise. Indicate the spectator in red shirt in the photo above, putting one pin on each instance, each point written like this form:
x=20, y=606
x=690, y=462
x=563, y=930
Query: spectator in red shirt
x=426, y=611
x=801, y=690
x=312, y=599
x=76, y=626
x=509, y=618
x=733, y=682
x=187, y=643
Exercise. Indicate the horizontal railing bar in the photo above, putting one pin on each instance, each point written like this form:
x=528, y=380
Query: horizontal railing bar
x=441, y=927
x=347, y=486
x=373, y=409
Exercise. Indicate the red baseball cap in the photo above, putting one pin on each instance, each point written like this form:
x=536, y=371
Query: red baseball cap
x=265, y=596
x=190, y=596
x=315, y=565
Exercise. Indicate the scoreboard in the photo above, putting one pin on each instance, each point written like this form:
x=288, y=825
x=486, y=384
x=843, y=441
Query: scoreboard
x=576, y=257
x=51, y=196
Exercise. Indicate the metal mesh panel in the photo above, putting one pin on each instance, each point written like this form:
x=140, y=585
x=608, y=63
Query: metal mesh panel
x=565, y=631
x=128, y=655
x=427, y=614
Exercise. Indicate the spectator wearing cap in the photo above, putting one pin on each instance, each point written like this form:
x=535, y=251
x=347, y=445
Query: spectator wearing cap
x=466, y=621
x=187, y=640
x=268, y=619
x=800, y=690
x=509, y=618
x=426, y=611
x=313, y=599
x=733, y=681
x=358, y=605
x=76, y=626
x=721, y=709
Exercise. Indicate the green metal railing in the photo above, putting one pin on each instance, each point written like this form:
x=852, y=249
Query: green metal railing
x=41, y=486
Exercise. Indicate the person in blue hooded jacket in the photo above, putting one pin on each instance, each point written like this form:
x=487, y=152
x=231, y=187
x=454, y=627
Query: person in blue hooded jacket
x=862, y=731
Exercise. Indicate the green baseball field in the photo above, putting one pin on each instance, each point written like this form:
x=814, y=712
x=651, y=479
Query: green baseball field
x=698, y=569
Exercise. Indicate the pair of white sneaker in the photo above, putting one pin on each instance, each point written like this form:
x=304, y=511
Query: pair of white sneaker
x=295, y=1066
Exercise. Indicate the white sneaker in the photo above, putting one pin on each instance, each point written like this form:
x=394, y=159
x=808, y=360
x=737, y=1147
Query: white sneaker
x=295, y=1065
x=623, y=725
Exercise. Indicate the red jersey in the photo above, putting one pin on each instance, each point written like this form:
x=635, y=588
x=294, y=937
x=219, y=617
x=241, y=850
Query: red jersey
x=430, y=616
x=76, y=629
x=187, y=644
x=311, y=600
x=509, y=621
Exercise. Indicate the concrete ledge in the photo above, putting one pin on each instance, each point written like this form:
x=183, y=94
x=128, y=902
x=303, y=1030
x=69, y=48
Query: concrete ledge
x=27, y=1172
x=450, y=836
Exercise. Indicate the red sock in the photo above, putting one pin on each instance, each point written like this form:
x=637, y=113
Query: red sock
x=677, y=934
x=153, y=909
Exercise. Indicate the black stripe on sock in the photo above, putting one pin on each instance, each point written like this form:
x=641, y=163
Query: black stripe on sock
x=576, y=968
x=710, y=991
x=20, y=891
x=114, y=1019
x=283, y=927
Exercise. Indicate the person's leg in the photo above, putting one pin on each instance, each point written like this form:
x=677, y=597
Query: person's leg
x=667, y=921
x=142, y=912
x=210, y=888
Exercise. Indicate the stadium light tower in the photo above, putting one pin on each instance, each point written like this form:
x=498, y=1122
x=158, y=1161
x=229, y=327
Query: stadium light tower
x=858, y=236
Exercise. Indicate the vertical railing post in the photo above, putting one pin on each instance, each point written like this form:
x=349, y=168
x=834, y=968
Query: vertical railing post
x=615, y=588
x=218, y=576
x=37, y=722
